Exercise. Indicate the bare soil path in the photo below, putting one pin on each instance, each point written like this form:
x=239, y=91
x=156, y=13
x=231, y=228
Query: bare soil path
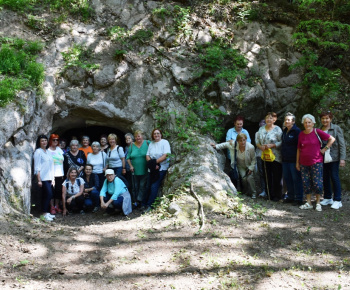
x=258, y=245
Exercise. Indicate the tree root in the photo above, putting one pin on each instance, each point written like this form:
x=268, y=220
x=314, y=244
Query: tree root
x=200, y=209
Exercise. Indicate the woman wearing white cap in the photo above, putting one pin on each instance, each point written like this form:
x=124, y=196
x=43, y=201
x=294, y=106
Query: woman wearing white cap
x=115, y=194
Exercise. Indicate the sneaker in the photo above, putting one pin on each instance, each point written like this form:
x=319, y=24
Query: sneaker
x=254, y=196
x=336, y=205
x=82, y=212
x=46, y=217
x=263, y=194
x=318, y=207
x=51, y=215
x=96, y=209
x=52, y=210
x=306, y=206
x=327, y=202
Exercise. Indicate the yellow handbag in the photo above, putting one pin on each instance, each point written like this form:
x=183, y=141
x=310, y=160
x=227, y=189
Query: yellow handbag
x=267, y=155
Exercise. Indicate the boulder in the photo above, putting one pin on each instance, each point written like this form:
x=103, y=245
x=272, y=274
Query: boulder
x=104, y=77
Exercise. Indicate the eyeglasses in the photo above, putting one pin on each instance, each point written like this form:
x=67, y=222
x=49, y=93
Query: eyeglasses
x=54, y=139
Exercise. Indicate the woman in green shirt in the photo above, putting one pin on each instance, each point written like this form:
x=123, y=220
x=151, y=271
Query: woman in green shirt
x=138, y=166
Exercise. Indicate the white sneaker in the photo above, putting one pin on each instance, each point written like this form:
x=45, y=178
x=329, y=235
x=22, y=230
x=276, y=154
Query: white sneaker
x=263, y=194
x=51, y=215
x=318, y=207
x=47, y=217
x=306, y=206
x=327, y=202
x=336, y=205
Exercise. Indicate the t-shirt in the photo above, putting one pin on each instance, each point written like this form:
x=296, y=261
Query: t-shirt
x=114, y=157
x=73, y=189
x=58, y=158
x=98, y=161
x=114, y=188
x=86, y=150
x=137, y=156
x=157, y=149
x=310, y=147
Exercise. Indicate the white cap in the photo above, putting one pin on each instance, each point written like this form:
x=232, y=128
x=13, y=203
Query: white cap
x=109, y=171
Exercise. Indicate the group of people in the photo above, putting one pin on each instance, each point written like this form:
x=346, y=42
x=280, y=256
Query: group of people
x=104, y=175
x=307, y=161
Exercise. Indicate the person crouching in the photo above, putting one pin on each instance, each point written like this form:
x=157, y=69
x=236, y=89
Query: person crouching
x=114, y=194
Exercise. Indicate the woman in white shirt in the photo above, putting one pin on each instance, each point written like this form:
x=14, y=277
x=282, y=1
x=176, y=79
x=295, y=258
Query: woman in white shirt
x=158, y=163
x=72, y=192
x=58, y=158
x=115, y=156
x=98, y=158
x=44, y=171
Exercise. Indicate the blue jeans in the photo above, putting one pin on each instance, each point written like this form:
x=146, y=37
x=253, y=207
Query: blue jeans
x=154, y=189
x=93, y=200
x=117, y=170
x=46, y=195
x=292, y=178
x=331, y=173
x=118, y=203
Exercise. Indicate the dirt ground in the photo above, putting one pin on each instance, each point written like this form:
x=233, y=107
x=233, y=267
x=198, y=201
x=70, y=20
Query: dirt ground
x=257, y=245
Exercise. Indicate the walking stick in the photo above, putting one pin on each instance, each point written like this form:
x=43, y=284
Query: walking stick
x=267, y=184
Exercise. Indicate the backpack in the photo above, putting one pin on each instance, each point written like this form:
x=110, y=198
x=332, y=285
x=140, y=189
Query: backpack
x=78, y=182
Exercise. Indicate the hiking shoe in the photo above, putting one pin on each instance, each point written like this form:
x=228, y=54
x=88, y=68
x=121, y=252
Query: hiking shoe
x=326, y=201
x=263, y=194
x=318, y=207
x=306, y=206
x=96, y=209
x=336, y=205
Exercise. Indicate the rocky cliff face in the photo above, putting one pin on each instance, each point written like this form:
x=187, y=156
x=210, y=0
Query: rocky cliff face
x=120, y=91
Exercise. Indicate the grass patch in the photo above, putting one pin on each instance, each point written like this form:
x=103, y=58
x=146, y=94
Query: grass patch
x=18, y=68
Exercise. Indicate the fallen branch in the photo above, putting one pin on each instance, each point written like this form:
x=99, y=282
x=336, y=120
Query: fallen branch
x=200, y=209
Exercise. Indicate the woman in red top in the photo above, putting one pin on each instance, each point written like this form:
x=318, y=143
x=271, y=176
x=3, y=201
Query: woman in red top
x=310, y=159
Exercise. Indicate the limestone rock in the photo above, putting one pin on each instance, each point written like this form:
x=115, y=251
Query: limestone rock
x=184, y=75
x=76, y=75
x=104, y=77
x=174, y=208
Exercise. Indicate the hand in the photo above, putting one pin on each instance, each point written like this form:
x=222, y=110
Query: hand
x=342, y=163
x=157, y=167
x=40, y=184
x=104, y=205
x=69, y=200
x=323, y=150
x=124, y=171
x=131, y=168
x=213, y=145
x=64, y=213
x=53, y=183
x=297, y=166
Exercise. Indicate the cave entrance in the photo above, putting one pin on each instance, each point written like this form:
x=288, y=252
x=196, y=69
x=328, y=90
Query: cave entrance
x=94, y=132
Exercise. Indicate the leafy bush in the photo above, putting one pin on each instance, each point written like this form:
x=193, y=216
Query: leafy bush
x=222, y=62
x=142, y=35
x=78, y=55
x=18, y=68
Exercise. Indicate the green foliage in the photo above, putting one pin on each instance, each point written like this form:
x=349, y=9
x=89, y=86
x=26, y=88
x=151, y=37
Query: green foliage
x=182, y=19
x=18, y=69
x=322, y=42
x=161, y=12
x=78, y=55
x=142, y=35
x=119, y=54
x=118, y=33
x=75, y=7
x=201, y=117
x=222, y=62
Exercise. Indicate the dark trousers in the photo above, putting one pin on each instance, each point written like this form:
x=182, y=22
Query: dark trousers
x=153, y=193
x=331, y=176
x=118, y=203
x=274, y=177
x=92, y=200
x=77, y=203
x=46, y=195
x=57, y=190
